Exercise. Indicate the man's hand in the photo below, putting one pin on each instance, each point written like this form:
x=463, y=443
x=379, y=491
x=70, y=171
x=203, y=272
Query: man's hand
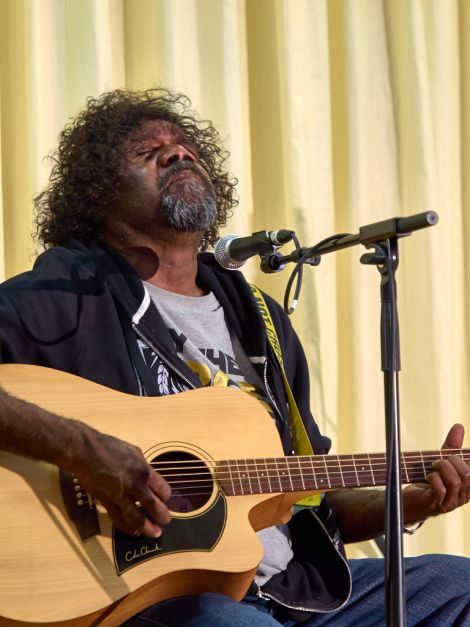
x=117, y=475
x=361, y=513
x=110, y=470
x=448, y=484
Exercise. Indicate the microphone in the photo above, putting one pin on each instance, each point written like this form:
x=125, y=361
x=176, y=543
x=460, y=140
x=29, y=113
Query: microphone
x=232, y=251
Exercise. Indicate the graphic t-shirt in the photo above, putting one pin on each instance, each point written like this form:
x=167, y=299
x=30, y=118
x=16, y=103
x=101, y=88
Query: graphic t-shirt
x=202, y=340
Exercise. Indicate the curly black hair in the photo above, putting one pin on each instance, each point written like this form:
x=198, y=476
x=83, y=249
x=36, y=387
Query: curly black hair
x=88, y=163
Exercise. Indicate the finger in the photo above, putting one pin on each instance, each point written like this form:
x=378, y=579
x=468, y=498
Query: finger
x=155, y=510
x=455, y=436
x=449, y=484
x=463, y=471
x=127, y=517
x=152, y=497
x=159, y=486
x=131, y=518
x=438, y=490
x=151, y=530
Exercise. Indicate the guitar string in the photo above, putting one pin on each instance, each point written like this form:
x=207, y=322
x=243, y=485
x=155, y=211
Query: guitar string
x=271, y=467
x=375, y=470
x=332, y=459
x=412, y=477
x=347, y=479
x=242, y=483
x=263, y=467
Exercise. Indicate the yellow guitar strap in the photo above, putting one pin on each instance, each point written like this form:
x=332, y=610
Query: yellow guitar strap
x=300, y=438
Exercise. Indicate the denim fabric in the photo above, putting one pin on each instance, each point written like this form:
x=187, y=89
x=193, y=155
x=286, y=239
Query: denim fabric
x=437, y=594
x=437, y=589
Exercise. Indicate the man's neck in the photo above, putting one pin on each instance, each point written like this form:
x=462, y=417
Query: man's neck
x=167, y=260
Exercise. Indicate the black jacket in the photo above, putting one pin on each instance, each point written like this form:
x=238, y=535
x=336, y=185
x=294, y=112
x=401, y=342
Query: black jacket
x=80, y=310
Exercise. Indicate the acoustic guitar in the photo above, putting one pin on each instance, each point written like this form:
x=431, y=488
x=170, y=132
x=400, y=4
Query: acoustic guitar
x=220, y=451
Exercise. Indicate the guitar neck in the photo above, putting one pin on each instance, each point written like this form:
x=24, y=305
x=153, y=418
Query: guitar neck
x=323, y=472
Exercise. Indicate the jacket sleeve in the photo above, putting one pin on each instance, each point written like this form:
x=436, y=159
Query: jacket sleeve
x=40, y=313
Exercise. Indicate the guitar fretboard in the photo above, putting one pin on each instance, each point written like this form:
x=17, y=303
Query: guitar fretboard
x=323, y=472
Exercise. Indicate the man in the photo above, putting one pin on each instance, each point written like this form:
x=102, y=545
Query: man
x=124, y=297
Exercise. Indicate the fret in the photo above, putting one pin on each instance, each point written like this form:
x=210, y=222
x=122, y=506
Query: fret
x=363, y=470
x=285, y=479
x=405, y=468
x=265, y=482
x=371, y=469
x=340, y=470
x=313, y=476
x=301, y=474
x=379, y=465
x=348, y=471
x=223, y=475
x=229, y=466
x=295, y=473
x=253, y=474
x=318, y=463
x=422, y=463
x=242, y=491
x=239, y=486
x=326, y=471
x=273, y=474
x=355, y=469
x=244, y=481
x=415, y=466
x=250, y=469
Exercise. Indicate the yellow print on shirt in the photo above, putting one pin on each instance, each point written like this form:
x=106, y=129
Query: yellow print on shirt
x=221, y=379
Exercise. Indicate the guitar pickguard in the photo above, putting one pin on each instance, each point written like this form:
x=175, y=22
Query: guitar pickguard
x=200, y=532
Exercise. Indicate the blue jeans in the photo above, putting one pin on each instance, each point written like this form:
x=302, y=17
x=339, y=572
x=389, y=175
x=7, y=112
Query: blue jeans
x=437, y=594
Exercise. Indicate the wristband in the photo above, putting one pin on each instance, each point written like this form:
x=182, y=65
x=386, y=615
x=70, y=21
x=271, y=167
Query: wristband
x=411, y=530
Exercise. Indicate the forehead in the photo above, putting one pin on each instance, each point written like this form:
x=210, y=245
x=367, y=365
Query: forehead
x=157, y=131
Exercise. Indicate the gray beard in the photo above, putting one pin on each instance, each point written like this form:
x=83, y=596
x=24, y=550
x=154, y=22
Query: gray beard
x=196, y=210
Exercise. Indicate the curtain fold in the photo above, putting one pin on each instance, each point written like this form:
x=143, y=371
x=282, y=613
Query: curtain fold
x=336, y=114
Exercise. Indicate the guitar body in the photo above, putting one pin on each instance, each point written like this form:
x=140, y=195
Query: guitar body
x=49, y=575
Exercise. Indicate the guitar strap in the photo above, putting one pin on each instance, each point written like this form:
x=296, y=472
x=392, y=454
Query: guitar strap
x=300, y=438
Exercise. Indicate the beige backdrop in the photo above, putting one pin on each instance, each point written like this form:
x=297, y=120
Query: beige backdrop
x=337, y=113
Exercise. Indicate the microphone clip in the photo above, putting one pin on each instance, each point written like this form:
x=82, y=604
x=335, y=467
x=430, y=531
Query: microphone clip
x=271, y=262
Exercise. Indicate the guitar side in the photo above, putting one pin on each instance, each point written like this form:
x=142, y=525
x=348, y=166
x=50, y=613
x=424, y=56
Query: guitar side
x=50, y=576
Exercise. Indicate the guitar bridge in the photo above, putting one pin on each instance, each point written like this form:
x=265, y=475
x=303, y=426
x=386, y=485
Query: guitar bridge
x=79, y=505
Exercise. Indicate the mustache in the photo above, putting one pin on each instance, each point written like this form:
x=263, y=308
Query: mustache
x=179, y=166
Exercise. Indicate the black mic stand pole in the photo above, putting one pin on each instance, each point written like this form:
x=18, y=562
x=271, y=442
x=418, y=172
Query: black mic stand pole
x=386, y=259
x=383, y=238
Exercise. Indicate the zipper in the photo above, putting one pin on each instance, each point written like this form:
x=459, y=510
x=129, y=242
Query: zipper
x=162, y=357
x=268, y=389
x=267, y=596
x=260, y=593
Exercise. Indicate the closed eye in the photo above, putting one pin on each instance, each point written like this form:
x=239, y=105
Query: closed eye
x=149, y=154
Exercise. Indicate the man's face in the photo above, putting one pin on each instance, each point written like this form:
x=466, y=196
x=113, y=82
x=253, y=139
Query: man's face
x=165, y=183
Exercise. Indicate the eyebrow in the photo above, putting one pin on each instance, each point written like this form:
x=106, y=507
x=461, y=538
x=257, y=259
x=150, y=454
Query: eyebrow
x=137, y=143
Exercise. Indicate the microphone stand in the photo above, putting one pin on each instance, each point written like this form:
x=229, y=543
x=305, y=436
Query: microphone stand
x=383, y=238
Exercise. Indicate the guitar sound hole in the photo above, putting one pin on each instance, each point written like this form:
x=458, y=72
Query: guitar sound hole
x=190, y=480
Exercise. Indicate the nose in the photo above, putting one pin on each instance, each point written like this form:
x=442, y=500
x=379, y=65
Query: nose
x=173, y=154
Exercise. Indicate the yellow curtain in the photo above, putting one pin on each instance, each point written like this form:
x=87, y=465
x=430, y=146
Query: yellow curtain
x=337, y=114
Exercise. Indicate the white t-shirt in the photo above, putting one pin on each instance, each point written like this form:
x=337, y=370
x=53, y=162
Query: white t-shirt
x=202, y=340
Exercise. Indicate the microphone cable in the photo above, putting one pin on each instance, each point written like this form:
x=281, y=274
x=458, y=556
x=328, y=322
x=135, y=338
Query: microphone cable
x=297, y=272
